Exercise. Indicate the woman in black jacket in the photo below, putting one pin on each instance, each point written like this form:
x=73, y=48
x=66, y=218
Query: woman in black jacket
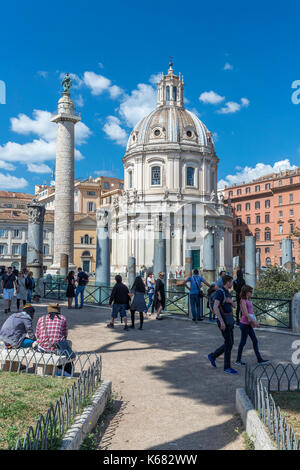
x=159, y=295
x=138, y=304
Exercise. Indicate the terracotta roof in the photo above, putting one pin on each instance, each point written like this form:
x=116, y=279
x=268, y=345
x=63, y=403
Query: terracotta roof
x=21, y=216
x=16, y=195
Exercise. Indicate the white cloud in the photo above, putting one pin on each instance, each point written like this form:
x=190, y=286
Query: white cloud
x=155, y=78
x=42, y=148
x=115, y=91
x=228, y=66
x=42, y=126
x=39, y=125
x=12, y=182
x=248, y=174
x=211, y=97
x=233, y=107
x=137, y=105
x=114, y=131
x=38, y=168
x=7, y=166
x=98, y=84
x=38, y=150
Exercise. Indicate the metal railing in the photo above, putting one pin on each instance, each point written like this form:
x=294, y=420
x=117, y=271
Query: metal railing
x=177, y=301
x=259, y=382
x=271, y=311
x=27, y=360
x=50, y=428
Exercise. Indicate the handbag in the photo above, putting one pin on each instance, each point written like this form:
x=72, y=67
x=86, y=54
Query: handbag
x=201, y=295
x=62, y=347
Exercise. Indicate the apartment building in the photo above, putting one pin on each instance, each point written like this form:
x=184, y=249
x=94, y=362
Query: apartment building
x=269, y=209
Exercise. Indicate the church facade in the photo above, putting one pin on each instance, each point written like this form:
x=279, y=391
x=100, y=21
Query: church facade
x=170, y=190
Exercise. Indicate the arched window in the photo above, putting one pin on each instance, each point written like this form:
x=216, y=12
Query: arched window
x=267, y=235
x=86, y=254
x=86, y=239
x=130, y=179
x=174, y=93
x=167, y=93
x=190, y=176
x=155, y=175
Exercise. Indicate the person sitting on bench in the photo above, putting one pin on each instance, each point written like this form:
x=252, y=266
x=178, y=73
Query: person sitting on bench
x=50, y=330
x=17, y=327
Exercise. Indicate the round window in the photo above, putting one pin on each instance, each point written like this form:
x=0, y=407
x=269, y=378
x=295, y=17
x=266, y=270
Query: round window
x=189, y=133
x=157, y=132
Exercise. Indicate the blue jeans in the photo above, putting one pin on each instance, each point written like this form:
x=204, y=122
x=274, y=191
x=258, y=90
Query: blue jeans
x=27, y=343
x=118, y=308
x=247, y=330
x=29, y=296
x=196, y=306
x=79, y=290
x=150, y=296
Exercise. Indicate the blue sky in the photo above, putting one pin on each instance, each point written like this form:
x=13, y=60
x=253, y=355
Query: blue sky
x=247, y=54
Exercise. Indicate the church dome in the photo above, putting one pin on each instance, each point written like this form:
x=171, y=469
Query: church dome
x=170, y=122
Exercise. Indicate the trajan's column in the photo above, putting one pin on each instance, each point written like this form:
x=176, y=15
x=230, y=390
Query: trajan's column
x=66, y=119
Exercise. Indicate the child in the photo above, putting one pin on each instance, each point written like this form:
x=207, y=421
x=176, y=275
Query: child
x=211, y=295
x=248, y=321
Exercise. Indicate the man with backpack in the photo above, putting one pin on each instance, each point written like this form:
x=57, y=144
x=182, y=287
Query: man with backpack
x=196, y=294
x=223, y=308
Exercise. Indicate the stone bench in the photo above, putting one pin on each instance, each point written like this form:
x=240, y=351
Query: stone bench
x=45, y=363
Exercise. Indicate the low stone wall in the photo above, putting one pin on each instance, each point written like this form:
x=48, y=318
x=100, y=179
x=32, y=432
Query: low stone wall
x=253, y=425
x=87, y=421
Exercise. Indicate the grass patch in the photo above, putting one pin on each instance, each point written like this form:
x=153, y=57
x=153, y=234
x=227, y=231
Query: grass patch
x=289, y=403
x=248, y=443
x=91, y=442
x=23, y=398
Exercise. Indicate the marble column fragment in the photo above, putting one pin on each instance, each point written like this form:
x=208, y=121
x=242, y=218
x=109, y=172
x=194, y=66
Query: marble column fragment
x=287, y=254
x=209, y=261
x=36, y=214
x=250, y=261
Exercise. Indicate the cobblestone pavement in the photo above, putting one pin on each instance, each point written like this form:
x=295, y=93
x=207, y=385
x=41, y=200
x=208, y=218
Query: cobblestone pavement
x=167, y=396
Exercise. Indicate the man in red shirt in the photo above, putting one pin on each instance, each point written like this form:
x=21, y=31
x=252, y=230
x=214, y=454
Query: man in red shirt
x=51, y=328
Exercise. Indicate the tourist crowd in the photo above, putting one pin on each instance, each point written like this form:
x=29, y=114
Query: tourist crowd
x=52, y=329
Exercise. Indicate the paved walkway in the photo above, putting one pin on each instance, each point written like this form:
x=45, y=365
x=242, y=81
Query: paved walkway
x=167, y=395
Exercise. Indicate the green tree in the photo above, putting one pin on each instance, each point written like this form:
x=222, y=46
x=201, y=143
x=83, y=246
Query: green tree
x=278, y=282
